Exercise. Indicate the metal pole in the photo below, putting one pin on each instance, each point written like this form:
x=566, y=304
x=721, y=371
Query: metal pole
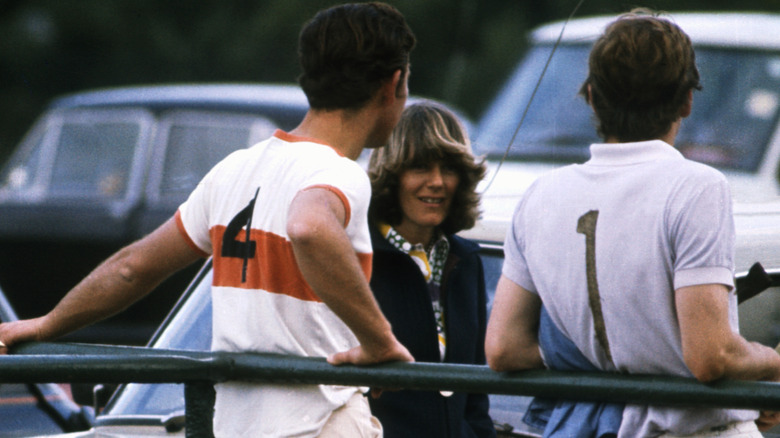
x=199, y=409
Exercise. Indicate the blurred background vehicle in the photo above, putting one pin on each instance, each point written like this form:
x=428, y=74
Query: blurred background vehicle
x=102, y=168
x=734, y=127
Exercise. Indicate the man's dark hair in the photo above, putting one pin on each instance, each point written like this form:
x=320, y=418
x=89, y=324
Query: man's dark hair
x=347, y=51
x=640, y=73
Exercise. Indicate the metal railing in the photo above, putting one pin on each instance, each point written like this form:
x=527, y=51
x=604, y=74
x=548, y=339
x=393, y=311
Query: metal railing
x=82, y=363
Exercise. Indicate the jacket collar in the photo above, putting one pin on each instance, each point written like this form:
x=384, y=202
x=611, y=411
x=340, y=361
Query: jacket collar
x=458, y=245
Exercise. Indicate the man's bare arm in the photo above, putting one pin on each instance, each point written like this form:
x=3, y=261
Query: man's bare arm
x=330, y=266
x=711, y=350
x=118, y=282
x=512, y=341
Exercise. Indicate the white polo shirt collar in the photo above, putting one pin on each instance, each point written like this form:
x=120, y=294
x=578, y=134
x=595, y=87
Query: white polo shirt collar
x=624, y=154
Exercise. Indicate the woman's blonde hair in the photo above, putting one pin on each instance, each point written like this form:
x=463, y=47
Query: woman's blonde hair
x=428, y=132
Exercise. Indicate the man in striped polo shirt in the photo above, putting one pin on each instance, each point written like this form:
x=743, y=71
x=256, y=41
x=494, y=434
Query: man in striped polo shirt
x=285, y=222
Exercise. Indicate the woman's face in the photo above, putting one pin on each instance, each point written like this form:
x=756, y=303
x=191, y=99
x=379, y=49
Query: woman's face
x=425, y=194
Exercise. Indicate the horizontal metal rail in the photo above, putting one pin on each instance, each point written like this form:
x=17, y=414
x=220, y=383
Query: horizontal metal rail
x=82, y=363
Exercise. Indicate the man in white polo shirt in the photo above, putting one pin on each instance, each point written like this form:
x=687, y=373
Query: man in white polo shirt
x=628, y=258
x=285, y=222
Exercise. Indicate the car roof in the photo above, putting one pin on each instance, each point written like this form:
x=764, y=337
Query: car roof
x=249, y=97
x=727, y=29
x=222, y=96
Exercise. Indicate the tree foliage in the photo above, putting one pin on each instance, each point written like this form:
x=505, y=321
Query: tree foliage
x=466, y=47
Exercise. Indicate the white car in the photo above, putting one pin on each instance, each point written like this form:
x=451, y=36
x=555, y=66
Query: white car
x=734, y=128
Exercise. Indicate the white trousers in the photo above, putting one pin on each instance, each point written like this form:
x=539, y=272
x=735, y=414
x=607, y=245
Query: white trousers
x=353, y=420
x=741, y=429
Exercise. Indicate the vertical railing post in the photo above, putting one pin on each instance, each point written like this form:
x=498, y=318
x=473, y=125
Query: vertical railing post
x=199, y=409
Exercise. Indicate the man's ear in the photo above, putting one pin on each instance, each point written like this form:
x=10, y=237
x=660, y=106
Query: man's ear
x=391, y=89
x=687, y=107
x=589, y=95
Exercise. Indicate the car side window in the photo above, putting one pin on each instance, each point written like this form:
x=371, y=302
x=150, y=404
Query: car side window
x=94, y=158
x=190, y=143
x=86, y=153
x=21, y=172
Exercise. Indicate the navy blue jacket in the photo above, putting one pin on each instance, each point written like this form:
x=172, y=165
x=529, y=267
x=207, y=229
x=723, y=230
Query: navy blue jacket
x=402, y=293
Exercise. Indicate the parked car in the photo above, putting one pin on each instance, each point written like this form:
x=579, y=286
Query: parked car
x=102, y=168
x=29, y=409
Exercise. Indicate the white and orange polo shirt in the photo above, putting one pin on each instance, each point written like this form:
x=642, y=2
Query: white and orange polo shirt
x=261, y=302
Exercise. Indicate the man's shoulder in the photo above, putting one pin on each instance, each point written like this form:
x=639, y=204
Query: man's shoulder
x=702, y=170
x=552, y=179
x=691, y=177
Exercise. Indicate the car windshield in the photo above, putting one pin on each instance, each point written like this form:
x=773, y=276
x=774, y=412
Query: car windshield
x=189, y=330
x=730, y=127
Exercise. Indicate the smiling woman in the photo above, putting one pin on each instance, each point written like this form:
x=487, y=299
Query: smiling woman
x=429, y=283
x=425, y=194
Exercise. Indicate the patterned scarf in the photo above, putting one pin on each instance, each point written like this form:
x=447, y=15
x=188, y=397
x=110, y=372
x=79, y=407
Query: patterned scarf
x=431, y=264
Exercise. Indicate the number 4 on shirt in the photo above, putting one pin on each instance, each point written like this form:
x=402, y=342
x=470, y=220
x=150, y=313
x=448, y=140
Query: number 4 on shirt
x=233, y=247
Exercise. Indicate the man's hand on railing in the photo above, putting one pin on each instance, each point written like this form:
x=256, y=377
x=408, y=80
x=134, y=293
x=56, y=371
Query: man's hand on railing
x=14, y=332
x=768, y=420
x=363, y=356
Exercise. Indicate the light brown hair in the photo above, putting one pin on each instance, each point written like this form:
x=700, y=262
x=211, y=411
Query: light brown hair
x=427, y=132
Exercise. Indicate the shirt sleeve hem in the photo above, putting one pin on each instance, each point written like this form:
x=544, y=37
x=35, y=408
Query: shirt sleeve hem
x=342, y=197
x=699, y=276
x=187, y=238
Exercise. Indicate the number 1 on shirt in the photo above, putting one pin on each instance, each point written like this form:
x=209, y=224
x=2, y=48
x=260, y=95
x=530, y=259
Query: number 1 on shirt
x=587, y=225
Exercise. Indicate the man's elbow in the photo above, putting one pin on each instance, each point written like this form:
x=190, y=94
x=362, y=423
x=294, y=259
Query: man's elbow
x=133, y=269
x=494, y=354
x=707, y=368
x=502, y=359
x=301, y=233
x=499, y=363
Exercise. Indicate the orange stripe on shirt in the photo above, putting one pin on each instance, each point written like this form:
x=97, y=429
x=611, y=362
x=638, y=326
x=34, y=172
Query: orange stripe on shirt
x=273, y=267
x=292, y=138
